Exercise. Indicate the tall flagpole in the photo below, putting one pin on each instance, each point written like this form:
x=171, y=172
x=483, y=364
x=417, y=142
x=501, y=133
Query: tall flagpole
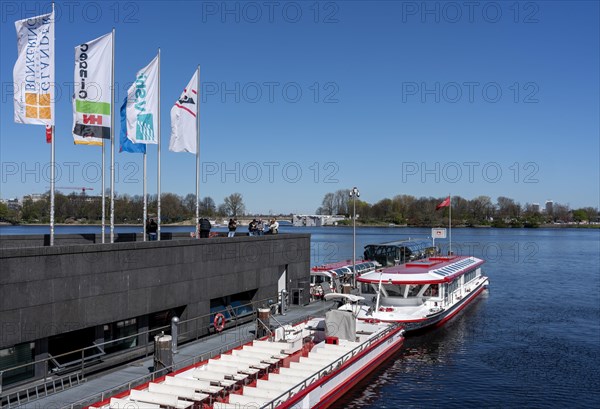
x=145, y=199
x=450, y=225
x=103, y=194
x=52, y=167
x=197, y=149
x=52, y=180
x=112, y=145
x=158, y=138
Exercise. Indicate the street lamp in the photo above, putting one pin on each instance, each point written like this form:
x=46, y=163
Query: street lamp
x=354, y=193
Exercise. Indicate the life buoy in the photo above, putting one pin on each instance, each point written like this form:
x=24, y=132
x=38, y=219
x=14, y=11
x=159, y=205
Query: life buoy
x=219, y=322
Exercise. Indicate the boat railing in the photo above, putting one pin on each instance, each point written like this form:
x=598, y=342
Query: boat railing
x=289, y=393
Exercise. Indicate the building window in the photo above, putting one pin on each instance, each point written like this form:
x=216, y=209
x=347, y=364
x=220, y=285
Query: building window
x=15, y=356
x=116, y=331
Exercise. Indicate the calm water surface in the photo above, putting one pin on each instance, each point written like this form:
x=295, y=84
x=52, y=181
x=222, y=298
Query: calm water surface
x=532, y=341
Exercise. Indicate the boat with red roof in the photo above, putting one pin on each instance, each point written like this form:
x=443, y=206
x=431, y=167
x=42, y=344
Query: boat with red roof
x=421, y=293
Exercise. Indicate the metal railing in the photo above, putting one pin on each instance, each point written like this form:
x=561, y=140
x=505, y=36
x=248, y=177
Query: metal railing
x=51, y=362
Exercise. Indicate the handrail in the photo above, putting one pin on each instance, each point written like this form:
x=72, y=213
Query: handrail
x=52, y=359
x=101, y=396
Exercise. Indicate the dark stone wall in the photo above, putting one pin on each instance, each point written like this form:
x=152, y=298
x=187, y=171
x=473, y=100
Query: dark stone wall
x=45, y=291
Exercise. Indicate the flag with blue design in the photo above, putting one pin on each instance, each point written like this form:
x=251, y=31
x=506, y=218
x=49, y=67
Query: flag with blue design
x=126, y=144
x=141, y=107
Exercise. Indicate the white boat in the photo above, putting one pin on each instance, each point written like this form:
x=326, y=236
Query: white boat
x=421, y=293
x=308, y=365
x=331, y=276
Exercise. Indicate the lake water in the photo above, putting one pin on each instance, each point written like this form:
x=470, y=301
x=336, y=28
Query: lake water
x=533, y=340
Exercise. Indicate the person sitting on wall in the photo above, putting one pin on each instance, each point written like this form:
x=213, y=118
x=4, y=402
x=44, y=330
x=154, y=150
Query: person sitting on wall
x=232, y=226
x=260, y=227
x=273, y=227
x=151, y=229
x=204, y=227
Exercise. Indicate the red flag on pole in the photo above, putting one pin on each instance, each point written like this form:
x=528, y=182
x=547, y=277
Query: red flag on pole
x=48, y=133
x=445, y=203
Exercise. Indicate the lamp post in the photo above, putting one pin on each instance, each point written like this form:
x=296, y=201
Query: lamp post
x=354, y=193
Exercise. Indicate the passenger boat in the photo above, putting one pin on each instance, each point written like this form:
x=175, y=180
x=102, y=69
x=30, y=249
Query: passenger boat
x=330, y=277
x=421, y=293
x=308, y=365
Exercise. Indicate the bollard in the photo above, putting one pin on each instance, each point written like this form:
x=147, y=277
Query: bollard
x=263, y=322
x=163, y=356
x=283, y=302
x=174, y=333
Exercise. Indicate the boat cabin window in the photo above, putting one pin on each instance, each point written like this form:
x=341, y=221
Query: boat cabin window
x=470, y=275
x=432, y=291
x=367, y=288
x=393, y=290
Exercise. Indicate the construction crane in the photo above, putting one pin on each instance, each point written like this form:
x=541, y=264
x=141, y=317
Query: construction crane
x=83, y=189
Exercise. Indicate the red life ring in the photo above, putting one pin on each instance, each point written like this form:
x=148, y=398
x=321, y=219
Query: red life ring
x=219, y=322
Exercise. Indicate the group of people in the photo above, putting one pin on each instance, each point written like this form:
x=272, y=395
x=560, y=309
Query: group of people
x=255, y=227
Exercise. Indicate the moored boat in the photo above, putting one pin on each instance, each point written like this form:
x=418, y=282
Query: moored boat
x=421, y=293
x=331, y=276
x=308, y=365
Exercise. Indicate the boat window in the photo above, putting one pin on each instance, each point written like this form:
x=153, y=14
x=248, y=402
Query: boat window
x=392, y=289
x=414, y=290
x=432, y=291
x=367, y=288
x=470, y=275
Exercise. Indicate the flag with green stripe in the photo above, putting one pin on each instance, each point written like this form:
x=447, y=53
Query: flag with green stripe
x=92, y=91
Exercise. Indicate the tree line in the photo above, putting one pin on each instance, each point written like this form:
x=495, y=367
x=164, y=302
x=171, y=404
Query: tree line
x=77, y=207
x=479, y=211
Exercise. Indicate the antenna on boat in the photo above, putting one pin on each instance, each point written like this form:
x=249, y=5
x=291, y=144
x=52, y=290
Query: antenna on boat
x=379, y=291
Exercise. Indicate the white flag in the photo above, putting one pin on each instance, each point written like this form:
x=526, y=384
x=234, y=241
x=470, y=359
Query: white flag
x=142, y=105
x=33, y=74
x=92, y=91
x=183, y=119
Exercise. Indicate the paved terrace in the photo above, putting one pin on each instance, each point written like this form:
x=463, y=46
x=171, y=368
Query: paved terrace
x=101, y=386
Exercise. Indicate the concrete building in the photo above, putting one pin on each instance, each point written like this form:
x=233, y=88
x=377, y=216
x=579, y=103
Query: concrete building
x=549, y=207
x=75, y=295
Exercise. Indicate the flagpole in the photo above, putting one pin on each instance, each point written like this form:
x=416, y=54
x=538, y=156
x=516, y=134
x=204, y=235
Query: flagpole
x=52, y=180
x=112, y=145
x=158, y=138
x=145, y=199
x=103, y=194
x=450, y=225
x=52, y=145
x=198, y=150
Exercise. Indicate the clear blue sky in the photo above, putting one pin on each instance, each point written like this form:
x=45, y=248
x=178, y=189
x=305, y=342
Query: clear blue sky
x=395, y=99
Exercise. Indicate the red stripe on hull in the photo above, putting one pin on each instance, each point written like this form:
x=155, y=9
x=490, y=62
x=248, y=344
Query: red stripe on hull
x=330, y=399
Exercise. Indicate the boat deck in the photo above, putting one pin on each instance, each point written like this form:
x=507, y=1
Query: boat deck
x=256, y=374
x=125, y=377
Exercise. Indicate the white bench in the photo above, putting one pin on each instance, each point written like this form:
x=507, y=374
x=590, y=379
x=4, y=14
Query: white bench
x=253, y=363
x=247, y=400
x=198, y=385
x=216, y=377
x=179, y=391
x=239, y=366
x=261, y=393
x=263, y=356
x=221, y=405
x=159, y=399
x=270, y=351
x=129, y=404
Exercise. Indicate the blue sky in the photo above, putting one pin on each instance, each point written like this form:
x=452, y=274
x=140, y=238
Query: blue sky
x=304, y=98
